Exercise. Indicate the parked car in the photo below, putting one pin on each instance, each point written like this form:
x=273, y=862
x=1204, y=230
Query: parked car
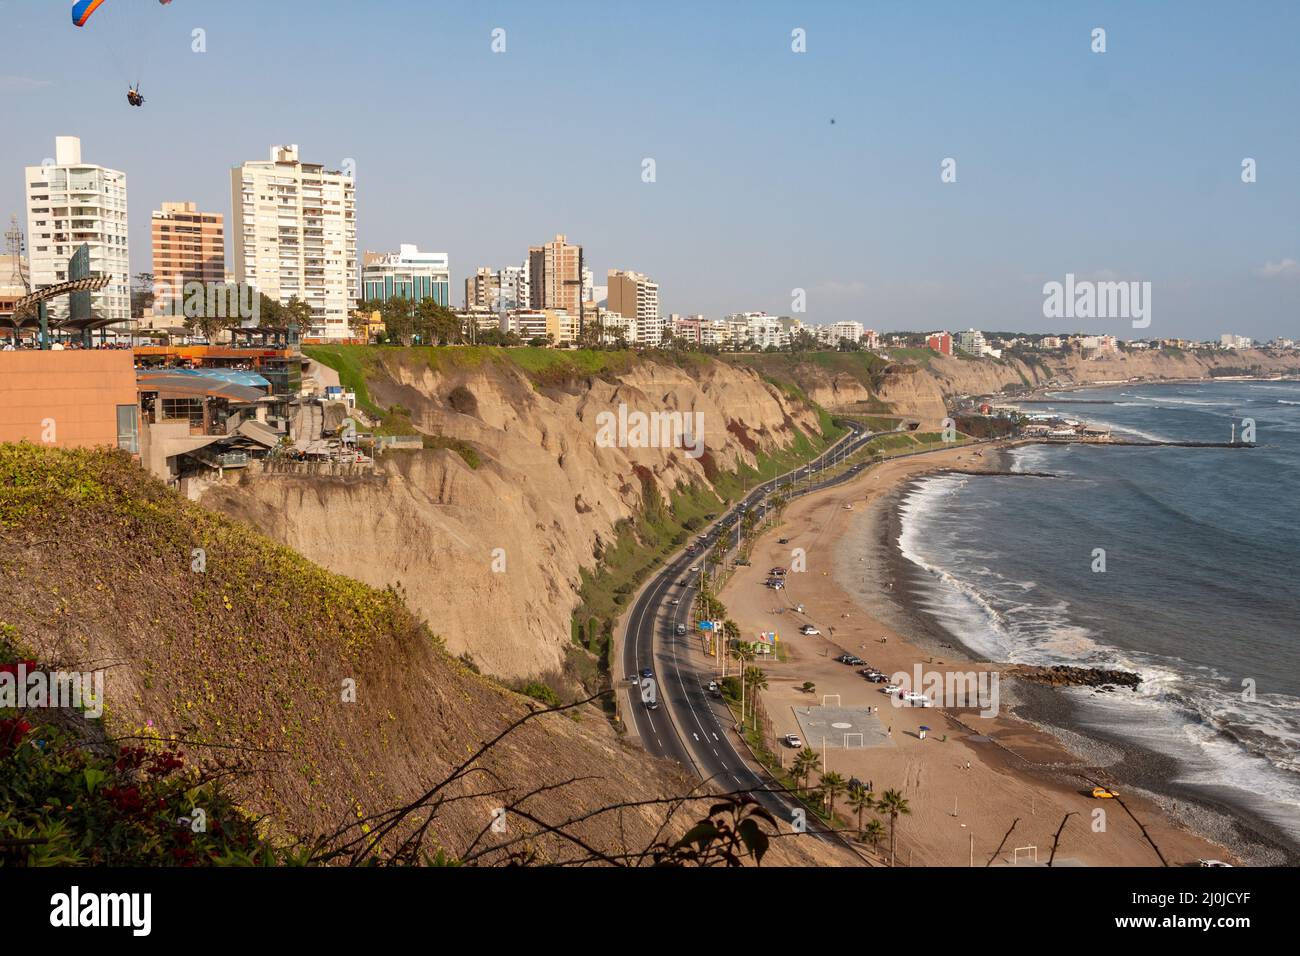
x=876, y=677
x=843, y=659
x=890, y=689
x=1213, y=863
x=1104, y=793
x=793, y=740
x=916, y=699
x=855, y=661
x=809, y=631
x=782, y=540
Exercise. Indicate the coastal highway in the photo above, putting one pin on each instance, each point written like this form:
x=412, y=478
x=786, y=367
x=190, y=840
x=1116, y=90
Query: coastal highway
x=689, y=726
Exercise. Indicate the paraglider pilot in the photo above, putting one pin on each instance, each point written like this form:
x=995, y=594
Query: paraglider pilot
x=133, y=95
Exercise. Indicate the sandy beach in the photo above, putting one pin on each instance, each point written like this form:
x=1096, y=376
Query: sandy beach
x=969, y=778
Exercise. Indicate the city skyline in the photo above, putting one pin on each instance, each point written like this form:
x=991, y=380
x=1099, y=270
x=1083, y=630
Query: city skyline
x=1124, y=165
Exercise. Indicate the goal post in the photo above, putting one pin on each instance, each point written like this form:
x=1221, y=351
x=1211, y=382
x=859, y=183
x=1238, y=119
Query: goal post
x=849, y=739
x=1031, y=853
x=827, y=697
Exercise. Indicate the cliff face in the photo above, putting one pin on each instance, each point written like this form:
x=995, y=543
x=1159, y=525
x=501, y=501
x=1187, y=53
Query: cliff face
x=490, y=556
x=919, y=390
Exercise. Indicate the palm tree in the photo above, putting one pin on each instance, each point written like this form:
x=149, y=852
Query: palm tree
x=742, y=652
x=861, y=799
x=873, y=831
x=895, y=804
x=805, y=762
x=730, y=630
x=756, y=680
x=832, y=786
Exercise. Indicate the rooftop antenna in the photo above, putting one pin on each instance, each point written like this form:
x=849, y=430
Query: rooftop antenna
x=15, y=247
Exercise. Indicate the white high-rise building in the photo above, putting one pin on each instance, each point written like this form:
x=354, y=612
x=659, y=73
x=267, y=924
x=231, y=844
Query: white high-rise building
x=513, y=283
x=971, y=342
x=757, y=330
x=407, y=273
x=294, y=229
x=841, y=331
x=71, y=203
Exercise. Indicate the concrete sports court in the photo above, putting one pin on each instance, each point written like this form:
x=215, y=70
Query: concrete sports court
x=834, y=723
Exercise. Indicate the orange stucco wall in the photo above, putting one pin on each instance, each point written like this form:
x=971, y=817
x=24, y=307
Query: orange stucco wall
x=78, y=391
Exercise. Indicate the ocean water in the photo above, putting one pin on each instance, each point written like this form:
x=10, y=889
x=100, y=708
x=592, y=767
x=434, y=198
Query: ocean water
x=1199, y=593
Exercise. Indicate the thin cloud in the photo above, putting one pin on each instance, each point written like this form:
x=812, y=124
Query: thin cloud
x=1282, y=269
x=21, y=84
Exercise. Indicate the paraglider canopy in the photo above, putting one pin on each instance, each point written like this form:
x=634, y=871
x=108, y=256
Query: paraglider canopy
x=124, y=32
x=82, y=9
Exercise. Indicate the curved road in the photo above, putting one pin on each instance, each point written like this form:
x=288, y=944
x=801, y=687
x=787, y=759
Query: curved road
x=689, y=726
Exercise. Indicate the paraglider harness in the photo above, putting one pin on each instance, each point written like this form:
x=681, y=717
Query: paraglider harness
x=133, y=96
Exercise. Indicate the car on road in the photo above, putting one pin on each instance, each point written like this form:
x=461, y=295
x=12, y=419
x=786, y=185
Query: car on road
x=793, y=740
x=680, y=630
x=675, y=601
x=647, y=672
x=695, y=569
x=809, y=631
x=713, y=689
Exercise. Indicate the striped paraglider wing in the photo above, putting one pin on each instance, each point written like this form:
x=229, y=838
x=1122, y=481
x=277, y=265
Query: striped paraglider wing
x=82, y=9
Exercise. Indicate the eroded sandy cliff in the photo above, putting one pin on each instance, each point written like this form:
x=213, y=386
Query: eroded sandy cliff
x=544, y=494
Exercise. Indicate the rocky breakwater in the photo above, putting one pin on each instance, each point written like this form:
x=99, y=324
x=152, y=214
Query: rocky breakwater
x=1105, y=679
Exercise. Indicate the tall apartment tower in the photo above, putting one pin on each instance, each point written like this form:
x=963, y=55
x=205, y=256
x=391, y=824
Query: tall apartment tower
x=555, y=276
x=71, y=203
x=294, y=230
x=483, y=289
x=495, y=290
x=635, y=296
x=188, y=246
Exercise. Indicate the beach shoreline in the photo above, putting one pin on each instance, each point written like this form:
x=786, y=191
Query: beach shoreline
x=1057, y=713
x=1016, y=769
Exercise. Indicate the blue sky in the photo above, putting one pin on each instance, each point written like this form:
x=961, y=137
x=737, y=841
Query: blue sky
x=1120, y=165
